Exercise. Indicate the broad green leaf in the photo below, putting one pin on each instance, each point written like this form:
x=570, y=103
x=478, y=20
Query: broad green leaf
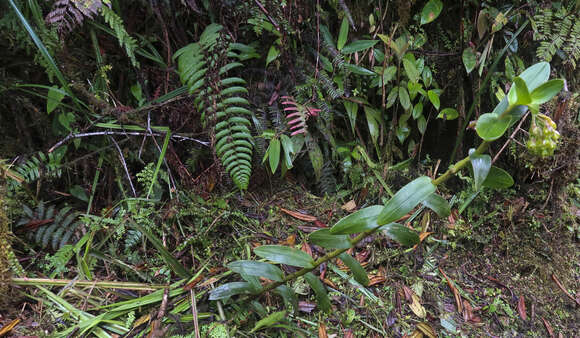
x=284, y=255
x=422, y=124
x=54, y=97
x=273, y=53
x=319, y=291
x=343, y=35
x=289, y=296
x=288, y=149
x=258, y=269
x=406, y=199
x=411, y=70
x=431, y=11
x=427, y=76
x=78, y=192
x=417, y=110
x=434, y=98
x=352, y=112
x=373, y=121
x=536, y=75
x=274, y=154
x=448, y=114
x=498, y=179
x=358, y=69
x=404, y=98
x=358, y=45
x=414, y=88
x=389, y=74
x=402, y=133
x=547, y=91
x=392, y=98
x=400, y=233
x=481, y=165
x=469, y=59
x=363, y=219
x=328, y=240
x=438, y=204
x=230, y=289
x=518, y=94
x=269, y=321
x=491, y=127
x=358, y=272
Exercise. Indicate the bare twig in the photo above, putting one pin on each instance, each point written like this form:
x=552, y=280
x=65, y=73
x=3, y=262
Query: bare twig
x=510, y=138
x=124, y=165
x=124, y=133
x=272, y=21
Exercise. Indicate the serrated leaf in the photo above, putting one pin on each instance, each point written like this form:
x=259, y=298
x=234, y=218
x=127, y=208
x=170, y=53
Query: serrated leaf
x=258, y=269
x=431, y=11
x=358, y=272
x=434, y=98
x=547, y=91
x=406, y=199
x=469, y=59
x=229, y=290
x=411, y=70
x=404, y=98
x=319, y=291
x=364, y=219
x=498, y=178
x=328, y=240
x=438, y=204
x=269, y=321
x=400, y=233
x=284, y=255
x=343, y=35
x=358, y=45
x=481, y=165
x=448, y=114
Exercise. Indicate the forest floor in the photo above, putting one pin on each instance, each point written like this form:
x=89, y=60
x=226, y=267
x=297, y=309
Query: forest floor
x=503, y=273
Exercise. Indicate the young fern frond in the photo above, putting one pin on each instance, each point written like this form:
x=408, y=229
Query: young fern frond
x=297, y=115
x=125, y=40
x=220, y=98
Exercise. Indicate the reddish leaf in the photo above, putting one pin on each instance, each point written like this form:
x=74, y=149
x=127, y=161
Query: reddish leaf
x=522, y=308
x=300, y=216
x=548, y=327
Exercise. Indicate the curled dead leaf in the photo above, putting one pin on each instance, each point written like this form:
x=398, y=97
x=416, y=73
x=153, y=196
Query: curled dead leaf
x=427, y=330
x=300, y=216
x=349, y=206
x=522, y=308
x=417, y=308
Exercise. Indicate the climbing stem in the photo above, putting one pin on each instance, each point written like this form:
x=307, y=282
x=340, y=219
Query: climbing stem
x=333, y=254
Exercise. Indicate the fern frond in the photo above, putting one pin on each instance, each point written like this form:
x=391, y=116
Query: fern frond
x=125, y=40
x=48, y=229
x=327, y=183
x=297, y=115
x=67, y=14
x=41, y=165
x=220, y=98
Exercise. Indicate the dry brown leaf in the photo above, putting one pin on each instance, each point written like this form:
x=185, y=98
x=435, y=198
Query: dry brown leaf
x=349, y=206
x=322, y=330
x=329, y=283
x=300, y=216
x=307, y=248
x=427, y=330
x=548, y=327
x=305, y=306
x=290, y=240
x=348, y=333
x=416, y=334
x=374, y=280
x=458, y=301
x=408, y=293
x=417, y=308
x=522, y=308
